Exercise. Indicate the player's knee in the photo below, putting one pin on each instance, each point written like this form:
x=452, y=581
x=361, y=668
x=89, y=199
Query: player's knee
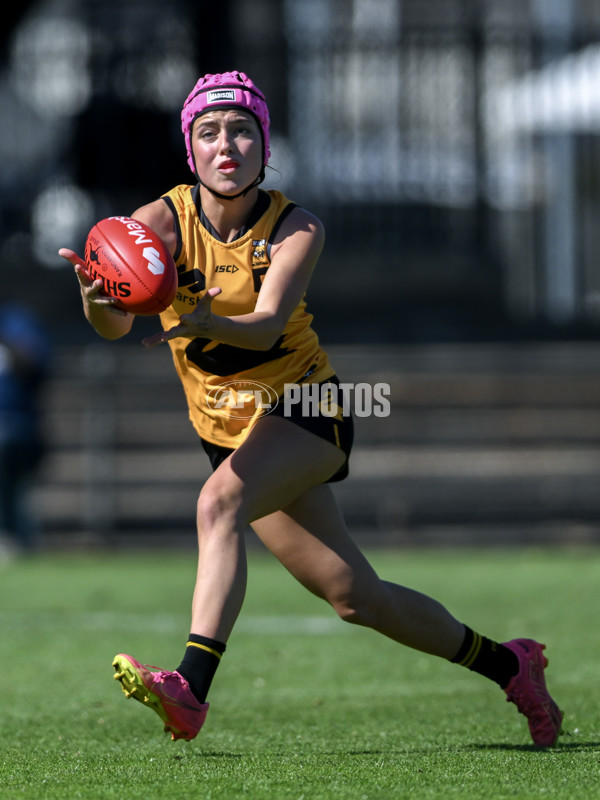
x=218, y=508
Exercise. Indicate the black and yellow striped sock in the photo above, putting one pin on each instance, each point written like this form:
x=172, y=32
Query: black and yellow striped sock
x=487, y=657
x=200, y=662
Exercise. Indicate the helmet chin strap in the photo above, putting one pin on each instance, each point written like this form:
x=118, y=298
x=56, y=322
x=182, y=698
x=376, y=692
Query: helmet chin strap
x=243, y=193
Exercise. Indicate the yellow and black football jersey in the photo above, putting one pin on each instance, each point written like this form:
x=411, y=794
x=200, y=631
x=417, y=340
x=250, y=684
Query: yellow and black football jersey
x=228, y=388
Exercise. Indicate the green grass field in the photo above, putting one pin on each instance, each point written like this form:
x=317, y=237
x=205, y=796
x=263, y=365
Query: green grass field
x=303, y=706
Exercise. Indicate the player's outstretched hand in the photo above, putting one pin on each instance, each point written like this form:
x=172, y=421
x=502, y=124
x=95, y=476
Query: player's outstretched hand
x=196, y=323
x=91, y=291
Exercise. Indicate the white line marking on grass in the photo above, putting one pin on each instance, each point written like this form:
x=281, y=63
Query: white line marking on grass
x=290, y=623
x=169, y=623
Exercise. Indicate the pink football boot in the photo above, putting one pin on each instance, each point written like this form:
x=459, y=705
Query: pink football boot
x=167, y=693
x=527, y=690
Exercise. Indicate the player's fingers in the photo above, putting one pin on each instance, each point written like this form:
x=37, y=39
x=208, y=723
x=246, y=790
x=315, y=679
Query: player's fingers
x=188, y=322
x=201, y=313
x=80, y=269
x=72, y=257
x=92, y=289
x=164, y=336
x=84, y=279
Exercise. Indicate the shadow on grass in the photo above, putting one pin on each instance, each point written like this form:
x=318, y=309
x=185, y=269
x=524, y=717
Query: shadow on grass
x=216, y=754
x=569, y=747
x=531, y=748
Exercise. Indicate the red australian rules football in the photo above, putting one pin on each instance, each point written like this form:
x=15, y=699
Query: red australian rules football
x=133, y=264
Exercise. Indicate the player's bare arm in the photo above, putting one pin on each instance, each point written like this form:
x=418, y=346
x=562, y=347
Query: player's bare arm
x=100, y=310
x=294, y=255
x=156, y=215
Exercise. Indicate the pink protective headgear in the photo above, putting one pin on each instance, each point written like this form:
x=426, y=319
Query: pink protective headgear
x=226, y=90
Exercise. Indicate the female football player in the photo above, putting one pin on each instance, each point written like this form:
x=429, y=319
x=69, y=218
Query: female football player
x=245, y=257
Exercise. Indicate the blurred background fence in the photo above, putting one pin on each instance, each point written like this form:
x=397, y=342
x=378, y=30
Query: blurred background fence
x=450, y=146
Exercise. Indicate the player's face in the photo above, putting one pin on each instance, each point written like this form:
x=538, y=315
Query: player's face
x=227, y=148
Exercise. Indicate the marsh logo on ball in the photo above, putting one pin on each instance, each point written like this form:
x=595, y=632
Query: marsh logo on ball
x=241, y=399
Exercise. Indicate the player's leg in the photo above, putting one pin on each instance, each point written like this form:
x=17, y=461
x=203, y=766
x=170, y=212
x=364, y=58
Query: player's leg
x=310, y=539
x=278, y=461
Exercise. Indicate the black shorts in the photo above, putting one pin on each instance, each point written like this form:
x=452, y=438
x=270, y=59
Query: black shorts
x=339, y=429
